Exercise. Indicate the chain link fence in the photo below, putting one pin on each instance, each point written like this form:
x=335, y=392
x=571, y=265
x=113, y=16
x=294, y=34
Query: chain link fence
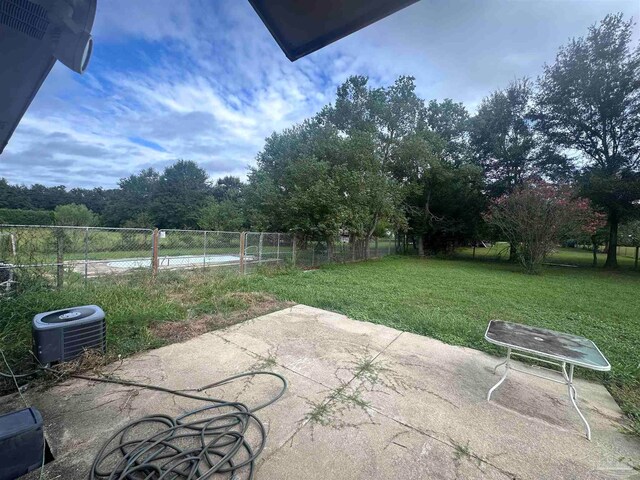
x=57, y=256
x=192, y=249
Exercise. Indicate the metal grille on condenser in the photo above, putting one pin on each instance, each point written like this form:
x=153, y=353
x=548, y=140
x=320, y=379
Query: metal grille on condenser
x=79, y=338
x=24, y=16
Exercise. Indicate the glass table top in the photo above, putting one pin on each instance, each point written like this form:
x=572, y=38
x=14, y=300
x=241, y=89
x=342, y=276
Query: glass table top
x=559, y=346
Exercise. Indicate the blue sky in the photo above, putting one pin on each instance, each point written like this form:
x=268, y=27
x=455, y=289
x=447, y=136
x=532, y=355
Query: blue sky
x=204, y=80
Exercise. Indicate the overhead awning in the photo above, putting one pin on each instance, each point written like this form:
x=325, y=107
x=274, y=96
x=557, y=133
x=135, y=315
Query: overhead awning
x=304, y=26
x=36, y=33
x=33, y=35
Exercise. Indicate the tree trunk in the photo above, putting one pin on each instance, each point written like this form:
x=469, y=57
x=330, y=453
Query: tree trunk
x=612, y=253
x=635, y=263
x=421, y=245
x=594, y=245
x=513, y=253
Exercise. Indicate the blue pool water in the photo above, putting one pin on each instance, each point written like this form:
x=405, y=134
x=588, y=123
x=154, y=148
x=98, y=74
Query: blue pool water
x=177, y=261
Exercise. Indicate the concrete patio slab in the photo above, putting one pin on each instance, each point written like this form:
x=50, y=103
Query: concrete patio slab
x=310, y=342
x=364, y=402
x=441, y=389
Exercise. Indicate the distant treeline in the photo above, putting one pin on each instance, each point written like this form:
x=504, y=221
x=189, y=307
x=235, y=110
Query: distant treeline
x=174, y=198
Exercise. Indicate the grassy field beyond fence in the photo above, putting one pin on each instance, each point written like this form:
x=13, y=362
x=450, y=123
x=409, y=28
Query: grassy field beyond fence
x=447, y=299
x=562, y=256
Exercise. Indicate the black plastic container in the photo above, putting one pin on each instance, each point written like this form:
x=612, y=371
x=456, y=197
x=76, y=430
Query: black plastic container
x=22, y=445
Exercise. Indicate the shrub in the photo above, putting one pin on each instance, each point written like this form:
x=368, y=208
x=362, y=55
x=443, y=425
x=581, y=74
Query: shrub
x=25, y=217
x=535, y=217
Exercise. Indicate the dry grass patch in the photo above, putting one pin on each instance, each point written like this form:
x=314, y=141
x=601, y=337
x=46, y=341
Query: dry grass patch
x=244, y=306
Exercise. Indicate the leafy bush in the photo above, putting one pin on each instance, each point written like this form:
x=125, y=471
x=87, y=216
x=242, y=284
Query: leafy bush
x=25, y=217
x=75, y=215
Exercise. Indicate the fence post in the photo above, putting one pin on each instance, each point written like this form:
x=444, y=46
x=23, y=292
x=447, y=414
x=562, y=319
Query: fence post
x=154, y=253
x=260, y=248
x=293, y=250
x=86, y=255
x=242, y=239
x=60, y=258
x=204, y=251
x=12, y=237
x=278, y=250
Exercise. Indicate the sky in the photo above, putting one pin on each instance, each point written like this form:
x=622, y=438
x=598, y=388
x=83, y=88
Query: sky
x=204, y=80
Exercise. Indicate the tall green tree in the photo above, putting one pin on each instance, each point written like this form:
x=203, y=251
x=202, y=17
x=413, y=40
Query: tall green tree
x=374, y=122
x=293, y=187
x=589, y=101
x=225, y=215
x=134, y=198
x=47, y=198
x=13, y=196
x=181, y=192
x=227, y=188
x=450, y=121
x=443, y=200
x=502, y=137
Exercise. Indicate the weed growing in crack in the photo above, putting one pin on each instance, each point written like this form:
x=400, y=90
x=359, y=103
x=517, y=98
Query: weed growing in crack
x=320, y=414
x=461, y=451
x=265, y=363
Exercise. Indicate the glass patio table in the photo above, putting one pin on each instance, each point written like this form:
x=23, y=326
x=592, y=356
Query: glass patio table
x=547, y=346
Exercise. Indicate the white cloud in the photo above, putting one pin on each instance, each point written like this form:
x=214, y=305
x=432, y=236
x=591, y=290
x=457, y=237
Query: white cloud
x=205, y=80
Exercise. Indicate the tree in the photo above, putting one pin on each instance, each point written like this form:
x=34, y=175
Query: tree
x=443, y=200
x=13, y=196
x=133, y=199
x=95, y=199
x=592, y=231
x=227, y=188
x=180, y=193
x=502, y=138
x=293, y=187
x=589, y=101
x=450, y=121
x=226, y=215
x=534, y=217
x=47, y=198
x=74, y=215
x=374, y=122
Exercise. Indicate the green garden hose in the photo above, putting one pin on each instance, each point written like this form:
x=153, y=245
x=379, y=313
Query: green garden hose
x=202, y=443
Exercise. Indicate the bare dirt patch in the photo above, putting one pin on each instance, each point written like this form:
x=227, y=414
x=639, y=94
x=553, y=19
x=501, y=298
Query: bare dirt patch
x=251, y=305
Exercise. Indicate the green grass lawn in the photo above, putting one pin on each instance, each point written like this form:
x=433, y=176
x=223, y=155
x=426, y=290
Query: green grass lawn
x=568, y=256
x=448, y=299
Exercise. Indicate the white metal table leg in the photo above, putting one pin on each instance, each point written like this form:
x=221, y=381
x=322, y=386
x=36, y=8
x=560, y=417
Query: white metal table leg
x=573, y=396
x=495, y=369
x=504, y=375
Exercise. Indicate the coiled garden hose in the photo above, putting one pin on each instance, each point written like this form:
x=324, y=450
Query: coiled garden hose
x=200, y=444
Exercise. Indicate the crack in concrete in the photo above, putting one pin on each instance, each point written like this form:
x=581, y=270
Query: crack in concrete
x=451, y=445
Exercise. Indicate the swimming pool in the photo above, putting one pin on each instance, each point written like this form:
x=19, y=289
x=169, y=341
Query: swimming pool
x=175, y=261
